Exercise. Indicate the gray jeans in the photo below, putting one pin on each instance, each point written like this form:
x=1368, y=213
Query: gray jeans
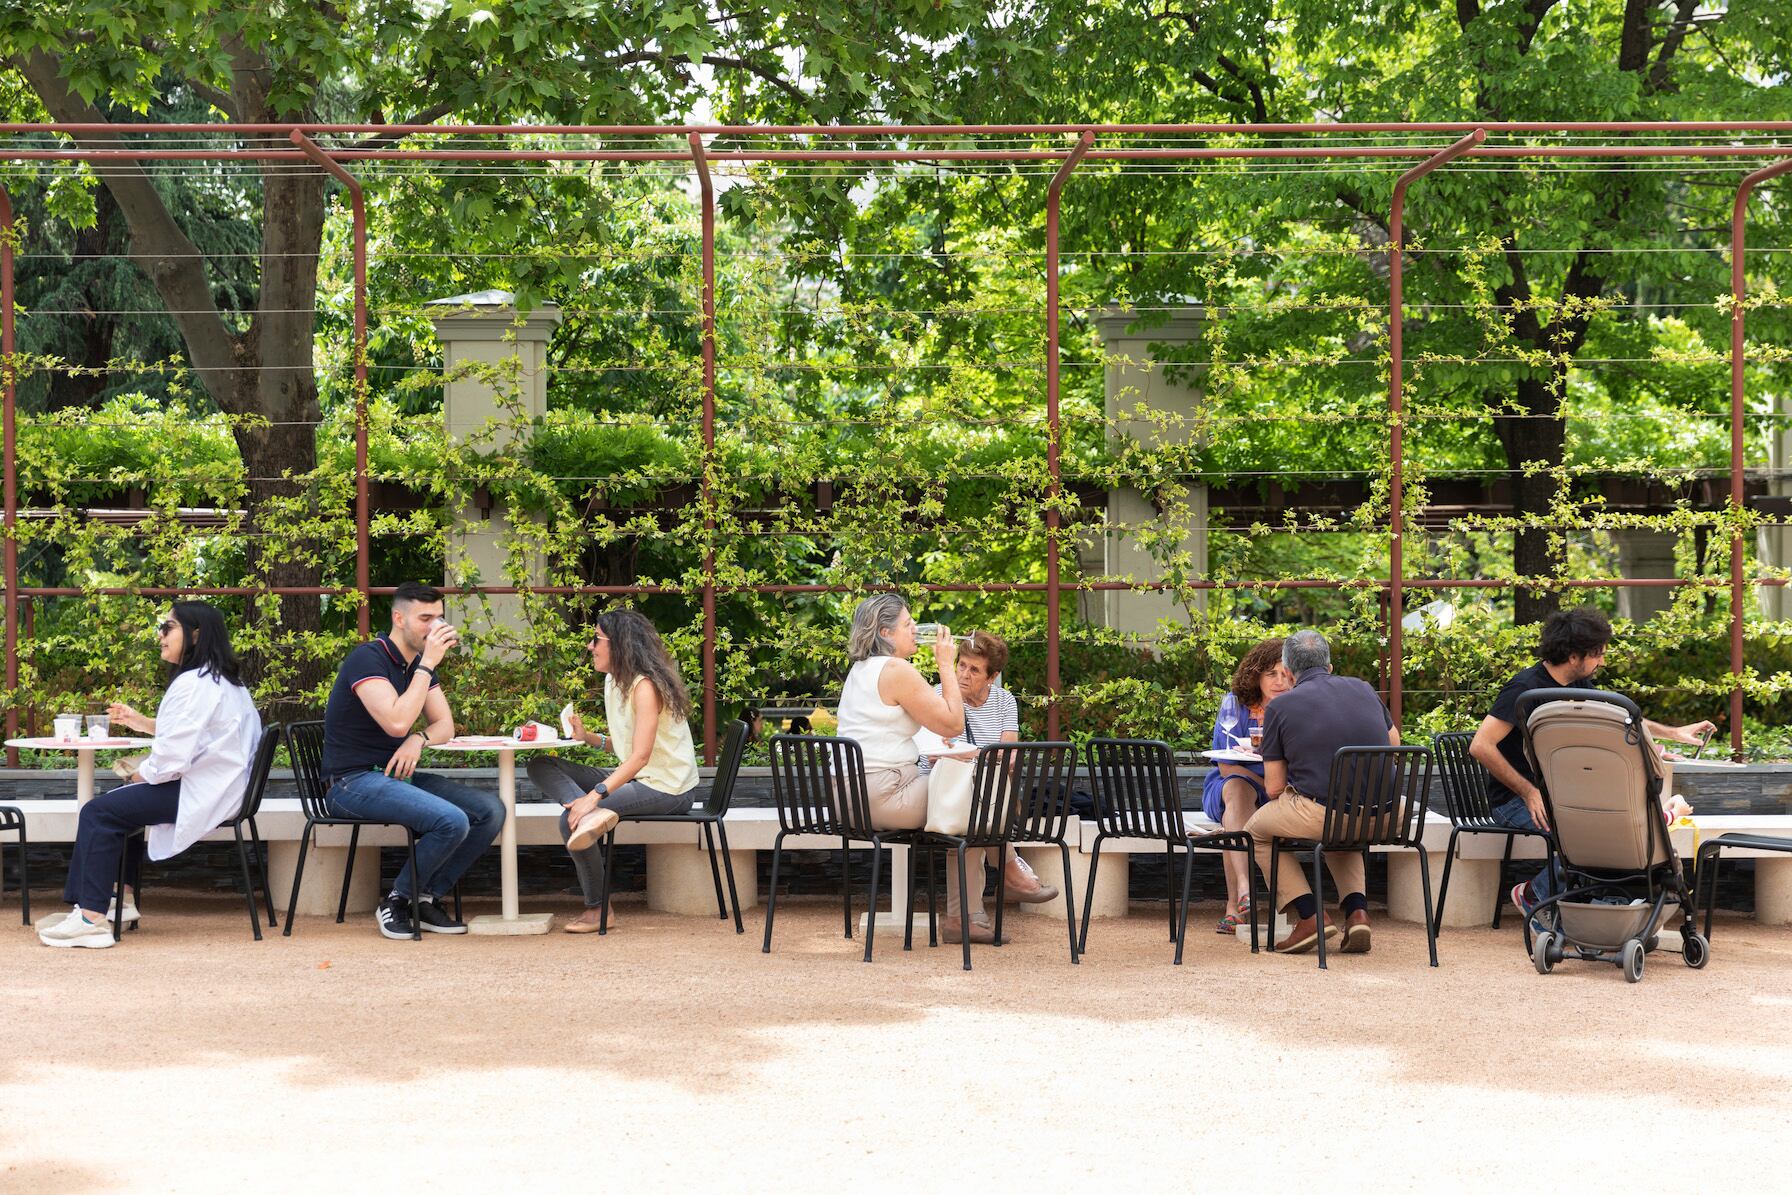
x=566, y=782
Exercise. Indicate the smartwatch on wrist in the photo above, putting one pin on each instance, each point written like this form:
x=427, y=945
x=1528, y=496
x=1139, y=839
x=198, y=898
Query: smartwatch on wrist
x=428, y=669
x=601, y=791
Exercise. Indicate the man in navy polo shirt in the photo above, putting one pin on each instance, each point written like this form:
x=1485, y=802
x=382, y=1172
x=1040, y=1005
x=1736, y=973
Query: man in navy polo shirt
x=1302, y=730
x=371, y=748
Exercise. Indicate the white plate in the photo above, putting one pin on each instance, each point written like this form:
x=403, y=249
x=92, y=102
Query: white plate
x=1233, y=755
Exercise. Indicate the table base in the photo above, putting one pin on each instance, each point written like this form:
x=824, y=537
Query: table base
x=526, y=923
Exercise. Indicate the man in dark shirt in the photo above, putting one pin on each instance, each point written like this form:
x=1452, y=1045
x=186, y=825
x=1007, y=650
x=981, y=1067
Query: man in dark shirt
x=371, y=748
x=1570, y=651
x=1302, y=730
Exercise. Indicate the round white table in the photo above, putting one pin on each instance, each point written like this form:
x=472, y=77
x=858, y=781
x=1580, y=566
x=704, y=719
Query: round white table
x=510, y=921
x=84, y=750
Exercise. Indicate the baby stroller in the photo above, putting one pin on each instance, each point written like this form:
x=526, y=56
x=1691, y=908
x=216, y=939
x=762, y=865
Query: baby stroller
x=1601, y=785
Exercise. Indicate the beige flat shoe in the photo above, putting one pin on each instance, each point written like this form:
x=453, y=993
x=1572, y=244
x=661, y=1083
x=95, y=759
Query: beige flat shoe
x=596, y=824
x=579, y=925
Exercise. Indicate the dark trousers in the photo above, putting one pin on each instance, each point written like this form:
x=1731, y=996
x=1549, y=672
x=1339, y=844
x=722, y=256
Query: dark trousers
x=100, y=839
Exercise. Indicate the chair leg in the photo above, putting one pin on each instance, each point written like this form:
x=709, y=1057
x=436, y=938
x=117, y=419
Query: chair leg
x=846, y=887
x=1069, y=903
x=24, y=874
x=242, y=858
x=728, y=866
x=1499, y=894
x=715, y=872
x=771, y=895
x=1443, y=885
x=1319, y=897
x=908, y=914
x=933, y=898
x=1711, y=892
x=118, y=895
x=416, y=885
x=457, y=915
x=603, y=896
x=964, y=907
x=261, y=863
x=298, y=873
x=1425, y=883
x=1082, y=943
x=1188, y=875
x=877, y=865
x=1250, y=880
x=1001, y=892
x=1275, y=867
x=348, y=870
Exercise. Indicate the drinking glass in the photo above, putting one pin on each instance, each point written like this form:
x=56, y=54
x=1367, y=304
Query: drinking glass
x=99, y=726
x=68, y=727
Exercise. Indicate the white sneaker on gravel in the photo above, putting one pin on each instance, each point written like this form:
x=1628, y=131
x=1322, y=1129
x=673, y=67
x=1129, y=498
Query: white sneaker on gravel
x=130, y=911
x=76, y=930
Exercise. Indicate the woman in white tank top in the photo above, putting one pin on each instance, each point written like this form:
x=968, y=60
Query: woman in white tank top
x=884, y=701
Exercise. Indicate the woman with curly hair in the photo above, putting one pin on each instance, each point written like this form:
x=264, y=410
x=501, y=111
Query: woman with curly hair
x=1234, y=790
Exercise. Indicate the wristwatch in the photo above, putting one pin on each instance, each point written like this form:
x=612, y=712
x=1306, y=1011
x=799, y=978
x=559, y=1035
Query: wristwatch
x=601, y=791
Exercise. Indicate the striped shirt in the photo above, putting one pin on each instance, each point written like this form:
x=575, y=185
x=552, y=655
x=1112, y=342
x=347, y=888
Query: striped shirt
x=985, y=724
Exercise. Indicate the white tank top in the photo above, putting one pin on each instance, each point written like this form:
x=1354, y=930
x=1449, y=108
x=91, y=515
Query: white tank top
x=885, y=733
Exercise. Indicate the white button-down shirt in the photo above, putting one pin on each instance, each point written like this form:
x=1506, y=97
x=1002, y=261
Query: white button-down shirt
x=206, y=734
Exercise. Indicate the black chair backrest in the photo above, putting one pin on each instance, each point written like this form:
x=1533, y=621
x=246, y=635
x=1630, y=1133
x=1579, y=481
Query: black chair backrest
x=1378, y=795
x=305, y=743
x=1464, y=779
x=1021, y=791
x=1136, y=792
x=721, y=789
x=259, y=767
x=818, y=785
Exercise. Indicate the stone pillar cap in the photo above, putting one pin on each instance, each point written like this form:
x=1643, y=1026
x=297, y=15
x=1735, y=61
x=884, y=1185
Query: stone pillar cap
x=473, y=317
x=1114, y=322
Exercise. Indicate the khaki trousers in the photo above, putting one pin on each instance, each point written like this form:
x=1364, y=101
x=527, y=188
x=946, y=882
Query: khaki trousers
x=1294, y=816
x=898, y=799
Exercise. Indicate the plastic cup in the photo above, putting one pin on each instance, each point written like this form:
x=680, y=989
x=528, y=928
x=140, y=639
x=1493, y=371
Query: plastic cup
x=527, y=732
x=99, y=726
x=68, y=727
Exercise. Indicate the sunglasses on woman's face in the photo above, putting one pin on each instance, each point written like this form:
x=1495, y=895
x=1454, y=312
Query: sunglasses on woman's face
x=166, y=628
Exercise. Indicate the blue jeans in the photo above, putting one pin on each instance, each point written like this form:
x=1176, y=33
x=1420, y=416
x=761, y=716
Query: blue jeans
x=454, y=824
x=1547, y=882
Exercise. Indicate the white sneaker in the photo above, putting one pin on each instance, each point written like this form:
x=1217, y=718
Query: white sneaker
x=76, y=930
x=130, y=911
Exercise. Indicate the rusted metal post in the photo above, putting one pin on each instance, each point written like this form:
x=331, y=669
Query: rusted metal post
x=7, y=370
x=358, y=205
x=707, y=187
x=1396, y=411
x=1053, y=587
x=1738, y=292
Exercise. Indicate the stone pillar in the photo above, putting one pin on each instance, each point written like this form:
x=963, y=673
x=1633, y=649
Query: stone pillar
x=1134, y=377
x=1644, y=554
x=485, y=329
x=1774, y=544
x=679, y=879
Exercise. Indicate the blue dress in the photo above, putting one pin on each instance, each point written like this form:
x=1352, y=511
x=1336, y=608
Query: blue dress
x=1233, y=720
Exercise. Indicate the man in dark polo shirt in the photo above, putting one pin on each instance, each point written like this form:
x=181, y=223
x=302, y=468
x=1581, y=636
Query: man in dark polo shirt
x=1302, y=730
x=371, y=748
x=1570, y=650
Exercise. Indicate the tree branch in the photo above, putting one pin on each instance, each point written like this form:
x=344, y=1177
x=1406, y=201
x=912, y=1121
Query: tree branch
x=1636, y=36
x=218, y=98
x=1466, y=12
x=753, y=68
x=1535, y=10
x=1684, y=21
x=158, y=245
x=428, y=115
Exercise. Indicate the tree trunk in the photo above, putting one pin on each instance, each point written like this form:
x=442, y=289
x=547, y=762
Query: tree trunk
x=1535, y=550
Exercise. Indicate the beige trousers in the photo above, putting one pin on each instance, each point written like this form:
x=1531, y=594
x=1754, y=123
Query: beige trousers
x=898, y=798
x=1294, y=816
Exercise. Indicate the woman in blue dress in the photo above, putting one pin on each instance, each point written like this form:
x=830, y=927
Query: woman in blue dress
x=1234, y=790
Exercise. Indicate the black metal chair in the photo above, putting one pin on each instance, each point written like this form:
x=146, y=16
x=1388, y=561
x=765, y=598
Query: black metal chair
x=1465, y=799
x=1378, y=797
x=12, y=821
x=1020, y=793
x=1137, y=796
x=818, y=786
x=305, y=743
x=1711, y=853
x=710, y=815
x=259, y=767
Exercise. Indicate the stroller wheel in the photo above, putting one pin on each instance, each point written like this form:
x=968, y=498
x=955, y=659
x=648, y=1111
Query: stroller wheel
x=1696, y=950
x=1632, y=961
x=1542, y=957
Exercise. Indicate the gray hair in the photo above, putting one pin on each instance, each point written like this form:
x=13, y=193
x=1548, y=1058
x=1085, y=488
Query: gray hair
x=1306, y=649
x=877, y=613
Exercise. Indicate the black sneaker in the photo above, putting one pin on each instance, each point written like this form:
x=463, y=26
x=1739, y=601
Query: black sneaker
x=436, y=920
x=394, y=918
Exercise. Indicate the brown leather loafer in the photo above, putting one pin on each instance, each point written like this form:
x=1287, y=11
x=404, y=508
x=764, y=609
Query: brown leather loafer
x=1305, y=935
x=981, y=933
x=1356, y=934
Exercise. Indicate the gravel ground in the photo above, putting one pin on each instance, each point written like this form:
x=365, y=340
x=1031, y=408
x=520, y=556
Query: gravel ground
x=191, y=1058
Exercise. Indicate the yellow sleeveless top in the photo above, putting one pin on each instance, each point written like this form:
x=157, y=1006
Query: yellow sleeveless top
x=672, y=768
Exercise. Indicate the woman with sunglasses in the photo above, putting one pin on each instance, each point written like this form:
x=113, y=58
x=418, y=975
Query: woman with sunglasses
x=206, y=731
x=647, y=709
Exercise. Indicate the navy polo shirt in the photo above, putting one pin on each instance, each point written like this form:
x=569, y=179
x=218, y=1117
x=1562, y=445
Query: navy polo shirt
x=353, y=741
x=1305, y=726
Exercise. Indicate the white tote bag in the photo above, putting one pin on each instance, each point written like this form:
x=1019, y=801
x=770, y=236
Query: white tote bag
x=949, y=796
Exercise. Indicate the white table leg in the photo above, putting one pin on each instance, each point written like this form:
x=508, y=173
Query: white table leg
x=83, y=777
x=510, y=921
